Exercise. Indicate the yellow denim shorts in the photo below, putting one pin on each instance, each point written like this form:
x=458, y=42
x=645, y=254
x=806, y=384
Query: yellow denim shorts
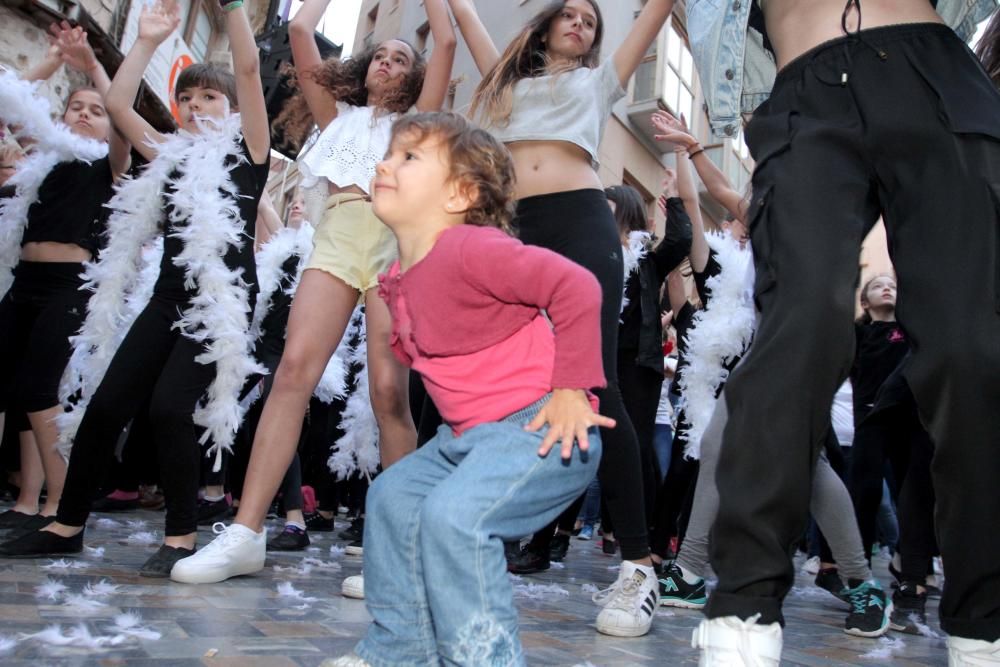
x=351, y=243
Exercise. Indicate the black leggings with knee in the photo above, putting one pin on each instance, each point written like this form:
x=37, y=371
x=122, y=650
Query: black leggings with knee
x=154, y=363
x=579, y=226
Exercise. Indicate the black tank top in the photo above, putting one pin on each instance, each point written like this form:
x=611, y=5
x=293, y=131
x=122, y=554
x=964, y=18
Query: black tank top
x=70, y=206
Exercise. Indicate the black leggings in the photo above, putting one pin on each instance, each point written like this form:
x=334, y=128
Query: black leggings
x=892, y=431
x=154, y=363
x=579, y=226
x=42, y=309
x=640, y=387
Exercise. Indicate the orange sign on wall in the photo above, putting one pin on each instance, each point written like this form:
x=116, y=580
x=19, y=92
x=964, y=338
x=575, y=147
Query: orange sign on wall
x=175, y=71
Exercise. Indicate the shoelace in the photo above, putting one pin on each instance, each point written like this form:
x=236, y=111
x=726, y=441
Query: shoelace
x=859, y=599
x=225, y=538
x=617, y=596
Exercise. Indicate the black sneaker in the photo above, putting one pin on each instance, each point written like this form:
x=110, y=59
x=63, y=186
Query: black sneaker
x=210, y=511
x=37, y=522
x=609, y=546
x=511, y=550
x=559, y=547
x=159, y=564
x=355, y=532
x=829, y=580
x=318, y=523
x=292, y=538
x=870, y=610
x=41, y=543
x=528, y=561
x=675, y=592
x=108, y=504
x=909, y=609
x=13, y=519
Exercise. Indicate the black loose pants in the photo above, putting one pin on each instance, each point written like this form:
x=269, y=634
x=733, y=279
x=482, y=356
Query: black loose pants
x=902, y=122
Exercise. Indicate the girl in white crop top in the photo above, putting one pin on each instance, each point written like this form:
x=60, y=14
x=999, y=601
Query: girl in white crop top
x=548, y=97
x=353, y=103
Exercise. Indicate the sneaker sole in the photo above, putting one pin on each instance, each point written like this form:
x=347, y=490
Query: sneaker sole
x=353, y=592
x=213, y=576
x=886, y=626
x=616, y=631
x=683, y=604
x=354, y=551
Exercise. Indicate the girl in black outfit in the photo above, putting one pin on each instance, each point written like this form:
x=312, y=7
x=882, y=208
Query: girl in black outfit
x=64, y=228
x=175, y=351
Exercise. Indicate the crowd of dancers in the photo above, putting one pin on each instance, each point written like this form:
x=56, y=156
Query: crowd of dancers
x=458, y=310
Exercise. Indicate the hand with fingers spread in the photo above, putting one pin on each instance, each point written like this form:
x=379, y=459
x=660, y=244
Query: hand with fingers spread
x=568, y=415
x=157, y=22
x=74, y=49
x=673, y=130
x=668, y=186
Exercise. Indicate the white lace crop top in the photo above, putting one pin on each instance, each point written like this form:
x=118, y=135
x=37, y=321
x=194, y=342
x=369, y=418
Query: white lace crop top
x=349, y=148
x=572, y=106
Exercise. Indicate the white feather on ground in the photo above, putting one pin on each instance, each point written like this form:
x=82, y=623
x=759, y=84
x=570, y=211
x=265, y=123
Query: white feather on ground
x=7, y=644
x=63, y=564
x=51, y=589
x=102, y=588
x=94, y=552
x=78, y=636
x=143, y=537
x=336, y=551
x=286, y=590
x=887, y=647
x=130, y=624
x=105, y=522
x=540, y=591
x=82, y=604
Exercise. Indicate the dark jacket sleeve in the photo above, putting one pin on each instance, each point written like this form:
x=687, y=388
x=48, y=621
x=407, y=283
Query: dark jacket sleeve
x=676, y=243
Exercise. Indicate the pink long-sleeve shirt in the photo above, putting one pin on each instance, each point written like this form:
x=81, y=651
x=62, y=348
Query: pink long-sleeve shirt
x=468, y=318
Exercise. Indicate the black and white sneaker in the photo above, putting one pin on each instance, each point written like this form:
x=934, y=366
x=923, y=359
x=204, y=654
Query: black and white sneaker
x=870, y=610
x=909, y=609
x=676, y=592
x=629, y=603
x=829, y=579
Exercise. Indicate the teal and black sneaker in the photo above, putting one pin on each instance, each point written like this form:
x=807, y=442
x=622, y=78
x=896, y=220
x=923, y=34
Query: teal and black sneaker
x=870, y=610
x=675, y=592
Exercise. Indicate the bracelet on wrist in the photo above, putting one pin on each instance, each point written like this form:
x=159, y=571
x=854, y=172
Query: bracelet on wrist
x=691, y=154
x=230, y=5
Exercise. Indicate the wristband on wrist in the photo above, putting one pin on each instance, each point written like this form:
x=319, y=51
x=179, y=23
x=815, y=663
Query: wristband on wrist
x=693, y=153
x=231, y=5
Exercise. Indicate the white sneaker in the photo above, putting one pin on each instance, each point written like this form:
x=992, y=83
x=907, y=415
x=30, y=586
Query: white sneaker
x=349, y=660
x=629, y=603
x=964, y=652
x=811, y=566
x=732, y=642
x=236, y=550
x=354, y=587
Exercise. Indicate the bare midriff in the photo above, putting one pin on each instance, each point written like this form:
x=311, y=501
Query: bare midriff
x=545, y=167
x=49, y=251
x=795, y=26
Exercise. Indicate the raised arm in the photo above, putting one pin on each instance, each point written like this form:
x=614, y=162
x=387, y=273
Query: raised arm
x=645, y=29
x=438, y=74
x=268, y=221
x=156, y=24
x=301, y=35
x=477, y=38
x=249, y=89
x=675, y=131
x=76, y=53
x=688, y=193
x=48, y=65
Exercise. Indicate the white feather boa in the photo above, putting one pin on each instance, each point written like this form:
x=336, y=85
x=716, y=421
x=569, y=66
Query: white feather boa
x=271, y=257
x=632, y=254
x=20, y=105
x=207, y=220
x=357, y=449
x=719, y=332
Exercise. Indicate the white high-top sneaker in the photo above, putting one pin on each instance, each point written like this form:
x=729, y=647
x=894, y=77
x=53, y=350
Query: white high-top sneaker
x=354, y=587
x=629, y=603
x=236, y=550
x=732, y=642
x=964, y=652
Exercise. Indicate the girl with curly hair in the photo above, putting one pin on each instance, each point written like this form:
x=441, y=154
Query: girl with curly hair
x=353, y=103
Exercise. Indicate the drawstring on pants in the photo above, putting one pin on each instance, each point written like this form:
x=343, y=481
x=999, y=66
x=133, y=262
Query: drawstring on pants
x=853, y=37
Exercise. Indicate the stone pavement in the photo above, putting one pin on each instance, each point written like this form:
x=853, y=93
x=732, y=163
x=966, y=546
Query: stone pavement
x=247, y=622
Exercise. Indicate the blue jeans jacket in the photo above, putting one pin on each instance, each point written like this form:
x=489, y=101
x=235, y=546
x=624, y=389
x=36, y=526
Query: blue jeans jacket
x=737, y=72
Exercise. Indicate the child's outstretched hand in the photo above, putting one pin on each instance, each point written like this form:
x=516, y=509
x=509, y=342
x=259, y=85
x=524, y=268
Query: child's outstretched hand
x=158, y=21
x=568, y=415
